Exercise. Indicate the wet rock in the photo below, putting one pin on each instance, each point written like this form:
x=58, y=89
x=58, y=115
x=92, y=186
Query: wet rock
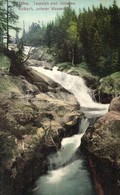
x=32, y=125
x=91, y=82
x=43, y=83
x=115, y=105
x=101, y=144
x=29, y=88
x=109, y=87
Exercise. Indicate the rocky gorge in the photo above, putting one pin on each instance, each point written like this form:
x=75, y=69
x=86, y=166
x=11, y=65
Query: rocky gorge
x=101, y=144
x=34, y=118
x=35, y=114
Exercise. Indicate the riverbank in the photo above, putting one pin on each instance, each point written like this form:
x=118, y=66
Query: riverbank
x=101, y=145
x=36, y=113
x=34, y=119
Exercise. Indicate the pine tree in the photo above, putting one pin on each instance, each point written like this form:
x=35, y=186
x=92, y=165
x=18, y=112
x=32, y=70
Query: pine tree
x=8, y=18
x=72, y=36
x=17, y=37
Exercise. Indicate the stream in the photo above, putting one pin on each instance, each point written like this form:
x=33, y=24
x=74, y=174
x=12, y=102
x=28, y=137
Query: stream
x=68, y=173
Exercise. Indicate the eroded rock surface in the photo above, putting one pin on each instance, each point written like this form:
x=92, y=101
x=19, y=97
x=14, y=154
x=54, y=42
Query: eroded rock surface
x=34, y=116
x=102, y=144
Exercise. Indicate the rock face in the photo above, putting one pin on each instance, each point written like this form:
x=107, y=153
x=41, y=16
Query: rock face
x=34, y=117
x=109, y=88
x=101, y=143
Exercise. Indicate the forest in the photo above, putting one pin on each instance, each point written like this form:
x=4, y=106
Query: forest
x=92, y=36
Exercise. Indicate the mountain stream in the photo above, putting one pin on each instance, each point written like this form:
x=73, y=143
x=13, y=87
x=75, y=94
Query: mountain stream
x=68, y=173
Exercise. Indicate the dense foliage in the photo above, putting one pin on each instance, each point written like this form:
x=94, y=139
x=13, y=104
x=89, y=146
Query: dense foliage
x=35, y=36
x=99, y=32
x=8, y=19
x=92, y=36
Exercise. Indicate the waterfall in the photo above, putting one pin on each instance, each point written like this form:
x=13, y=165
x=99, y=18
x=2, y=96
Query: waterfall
x=84, y=125
x=68, y=174
x=77, y=86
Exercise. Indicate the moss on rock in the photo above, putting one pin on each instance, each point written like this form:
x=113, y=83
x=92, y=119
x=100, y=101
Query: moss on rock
x=32, y=125
x=102, y=145
x=111, y=84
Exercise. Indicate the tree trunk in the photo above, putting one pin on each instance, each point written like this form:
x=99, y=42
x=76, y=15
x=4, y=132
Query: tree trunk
x=16, y=68
x=73, y=56
x=7, y=27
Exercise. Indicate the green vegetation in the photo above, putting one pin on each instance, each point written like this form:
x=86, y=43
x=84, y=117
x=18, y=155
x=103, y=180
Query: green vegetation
x=111, y=84
x=92, y=37
x=8, y=19
x=4, y=62
x=35, y=36
x=10, y=87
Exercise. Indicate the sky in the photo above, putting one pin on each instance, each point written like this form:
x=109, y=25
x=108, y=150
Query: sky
x=44, y=11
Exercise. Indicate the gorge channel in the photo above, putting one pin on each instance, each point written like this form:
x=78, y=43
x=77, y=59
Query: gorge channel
x=68, y=173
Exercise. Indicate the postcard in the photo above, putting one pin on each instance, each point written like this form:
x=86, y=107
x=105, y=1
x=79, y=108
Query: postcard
x=59, y=97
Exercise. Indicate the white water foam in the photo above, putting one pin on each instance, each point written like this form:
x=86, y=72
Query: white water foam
x=66, y=179
x=67, y=151
x=66, y=176
x=72, y=179
x=77, y=86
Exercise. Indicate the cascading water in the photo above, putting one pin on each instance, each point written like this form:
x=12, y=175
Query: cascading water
x=76, y=85
x=68, y=174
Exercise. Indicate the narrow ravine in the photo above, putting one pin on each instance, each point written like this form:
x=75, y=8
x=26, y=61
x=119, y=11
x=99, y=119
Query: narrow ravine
x=68, y=173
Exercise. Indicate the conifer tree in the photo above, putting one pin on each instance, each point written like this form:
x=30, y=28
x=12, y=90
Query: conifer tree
x=8, y=18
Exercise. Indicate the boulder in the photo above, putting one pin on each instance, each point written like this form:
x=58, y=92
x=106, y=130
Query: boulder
x=109, y=88
x=34, y=119
x=102, y=146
